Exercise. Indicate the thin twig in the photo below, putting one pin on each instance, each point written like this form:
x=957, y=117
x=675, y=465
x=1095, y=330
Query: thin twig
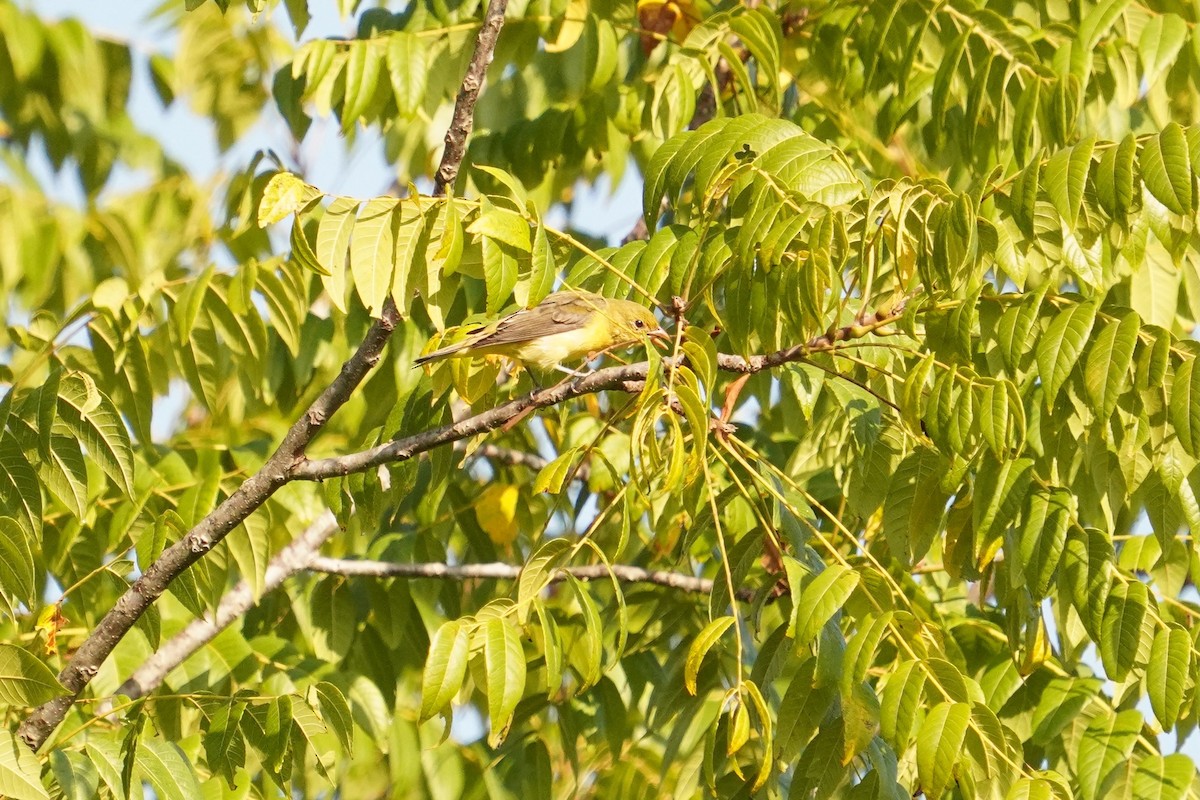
x=301, y=555
x=495, y=570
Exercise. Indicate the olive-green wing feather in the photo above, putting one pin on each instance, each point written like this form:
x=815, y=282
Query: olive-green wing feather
x=553, y=315
x=558, y=313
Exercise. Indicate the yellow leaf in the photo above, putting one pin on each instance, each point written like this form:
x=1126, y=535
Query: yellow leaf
x=285, y=194
x=571, y=28
x=496, y=510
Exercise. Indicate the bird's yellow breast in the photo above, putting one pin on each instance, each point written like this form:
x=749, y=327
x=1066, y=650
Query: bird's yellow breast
x=546, y=352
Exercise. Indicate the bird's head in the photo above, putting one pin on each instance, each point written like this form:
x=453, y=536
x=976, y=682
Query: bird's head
x=632, y=321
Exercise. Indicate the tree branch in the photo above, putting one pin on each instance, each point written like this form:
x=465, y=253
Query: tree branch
x=519, y=458
x=468, y=92
x=289, y=560
x=625, y=378
x=628, y=378
x=208, y=532
x=277, y=471
x=294, y=557
x=301, y=554
x=463, y=572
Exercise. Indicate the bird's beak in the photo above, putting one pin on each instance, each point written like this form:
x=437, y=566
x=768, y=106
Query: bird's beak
x=659, y=336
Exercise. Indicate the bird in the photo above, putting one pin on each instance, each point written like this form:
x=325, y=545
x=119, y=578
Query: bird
x=565, y=326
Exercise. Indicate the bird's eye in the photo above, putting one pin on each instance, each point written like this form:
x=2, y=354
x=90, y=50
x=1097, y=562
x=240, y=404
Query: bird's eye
x=639, y=323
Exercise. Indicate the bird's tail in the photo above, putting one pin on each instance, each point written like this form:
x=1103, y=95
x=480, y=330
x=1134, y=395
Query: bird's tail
x=444, y=352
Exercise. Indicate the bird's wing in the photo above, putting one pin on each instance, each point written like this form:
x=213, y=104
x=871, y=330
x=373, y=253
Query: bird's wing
x=555, y=314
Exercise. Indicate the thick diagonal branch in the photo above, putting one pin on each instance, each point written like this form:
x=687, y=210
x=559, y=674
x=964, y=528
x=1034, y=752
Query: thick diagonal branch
x=278, y=470
x=212, y=529
x=294, y=557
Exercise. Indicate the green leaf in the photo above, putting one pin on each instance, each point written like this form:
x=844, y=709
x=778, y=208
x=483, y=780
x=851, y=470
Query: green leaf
x=516, y=192
x=1015, y=330
x=1185, y=406
x=362, y=75
x=75, y=774
x=308, y=728
x=302, y=253
x=250, y=546
x=1160, y=41
x=703, y=642
x=1025, y=115
x=1164, y=777
x=224, y=744
x=820, y=769
x=860, y=650
x=1107, y=374
x=590, y=647
x=1097, y=22
x=24, y=680
x=1167, y=170
x=502, y=225
x=1031, y=789
x=551, y=651
x=543, y=271
x=996, y=421
x=939, y=744
x=373, y=251
x=332, y=248
x=765, y=732
x=1085, y=569
x=1001, y=488
x=1121, y=628
x=536, y=574
x=268, y=728
x=47, y=407
x=914, y=505
x=1043, y=538
x=410, y=245
x=1064, y=178
x=93, y=419
x=104, y=755
x=553, y=476
x=65, y=474
x=1104, y=748
x=408, y=68
x=20, y=493
x=1062, y=344
x=504, y=660
x=944, y=78
x=20, y=773
x=1115, y=175
x=821, y=597
x=801, y=710
x=1168, y=673
x=901, y=704
x=860, y=713
x=167, y=770
x=334, y=621
x=500, y=273
x=16, y=563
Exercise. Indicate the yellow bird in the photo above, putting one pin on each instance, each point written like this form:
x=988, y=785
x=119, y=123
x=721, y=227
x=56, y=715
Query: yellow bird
x=566, y=326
